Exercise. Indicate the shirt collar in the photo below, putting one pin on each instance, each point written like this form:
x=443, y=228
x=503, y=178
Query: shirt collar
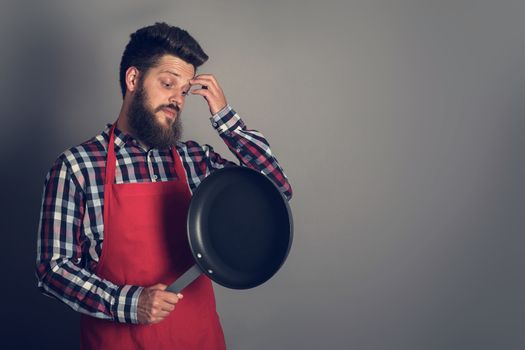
x=122, y=139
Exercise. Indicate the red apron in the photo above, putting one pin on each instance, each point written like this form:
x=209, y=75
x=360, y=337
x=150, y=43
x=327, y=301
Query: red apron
x=145, y=243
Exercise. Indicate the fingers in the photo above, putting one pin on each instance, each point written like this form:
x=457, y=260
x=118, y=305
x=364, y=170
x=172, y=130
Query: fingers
x=202, y=92
x=155, y=304
x=159, y=286
x=207, y=80
x=169, y=297
x=209, y=86
x=210, y=90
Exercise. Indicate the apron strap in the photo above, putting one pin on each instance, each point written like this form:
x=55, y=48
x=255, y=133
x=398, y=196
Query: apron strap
x=179, y=169
x=111, y=160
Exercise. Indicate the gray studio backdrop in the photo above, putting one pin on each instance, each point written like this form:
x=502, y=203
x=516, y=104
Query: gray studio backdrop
x=399, y=123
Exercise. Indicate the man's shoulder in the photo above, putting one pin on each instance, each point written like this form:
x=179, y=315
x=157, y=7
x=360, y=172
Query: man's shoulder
x=188, y=144
x=192, y=149
x=87, y=154
x=194, y=146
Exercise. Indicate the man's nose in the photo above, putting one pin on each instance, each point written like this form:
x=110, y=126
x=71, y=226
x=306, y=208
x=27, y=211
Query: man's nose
x=177, y=98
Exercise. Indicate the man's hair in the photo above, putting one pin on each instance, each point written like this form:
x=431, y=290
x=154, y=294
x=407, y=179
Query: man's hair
x=147, y=45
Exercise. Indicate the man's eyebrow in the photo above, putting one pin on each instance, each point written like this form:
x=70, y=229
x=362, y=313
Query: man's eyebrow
x=171, y=72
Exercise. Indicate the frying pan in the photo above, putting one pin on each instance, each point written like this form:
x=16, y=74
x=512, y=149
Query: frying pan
x=239, y=228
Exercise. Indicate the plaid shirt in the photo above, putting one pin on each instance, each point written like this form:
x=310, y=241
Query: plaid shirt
x=71, y=230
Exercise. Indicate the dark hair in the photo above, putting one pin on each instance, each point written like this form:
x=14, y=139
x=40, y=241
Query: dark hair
x=147, y=45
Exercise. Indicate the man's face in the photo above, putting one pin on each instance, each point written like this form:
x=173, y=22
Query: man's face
x=157, y=103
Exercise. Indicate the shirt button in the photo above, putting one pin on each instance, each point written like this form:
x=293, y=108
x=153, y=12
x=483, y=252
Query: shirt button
x=215, y=124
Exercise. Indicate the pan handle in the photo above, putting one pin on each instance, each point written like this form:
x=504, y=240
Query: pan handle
x=189, y=276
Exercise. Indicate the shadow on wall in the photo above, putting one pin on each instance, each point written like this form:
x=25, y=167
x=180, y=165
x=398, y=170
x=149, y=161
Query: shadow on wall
x=36, y=84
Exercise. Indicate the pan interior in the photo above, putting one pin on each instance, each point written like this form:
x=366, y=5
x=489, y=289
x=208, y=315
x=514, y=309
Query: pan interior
x=242, y=229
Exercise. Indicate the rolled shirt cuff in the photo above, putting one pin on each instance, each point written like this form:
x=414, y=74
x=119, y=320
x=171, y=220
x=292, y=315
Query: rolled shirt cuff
x=226, y=120
x=126, y=301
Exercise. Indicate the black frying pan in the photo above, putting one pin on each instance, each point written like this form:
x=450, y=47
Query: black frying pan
x=239, y=228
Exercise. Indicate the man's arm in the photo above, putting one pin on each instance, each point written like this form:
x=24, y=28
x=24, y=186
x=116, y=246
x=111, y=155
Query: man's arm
x=61, y=250
x=249, y=146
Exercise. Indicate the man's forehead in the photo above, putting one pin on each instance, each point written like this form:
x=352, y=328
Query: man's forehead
x=175, y=66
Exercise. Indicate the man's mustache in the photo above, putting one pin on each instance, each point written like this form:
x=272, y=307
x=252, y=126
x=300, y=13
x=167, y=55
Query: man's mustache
x=171, y=105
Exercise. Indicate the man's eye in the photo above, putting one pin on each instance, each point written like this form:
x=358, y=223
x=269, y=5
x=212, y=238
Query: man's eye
x=168, y=85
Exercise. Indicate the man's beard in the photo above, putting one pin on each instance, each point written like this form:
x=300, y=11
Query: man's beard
x=145, y=126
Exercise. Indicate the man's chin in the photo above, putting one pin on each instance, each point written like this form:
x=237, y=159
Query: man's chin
x=165, y=120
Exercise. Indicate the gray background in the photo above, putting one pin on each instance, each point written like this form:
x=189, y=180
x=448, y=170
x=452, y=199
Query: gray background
x=399, y=123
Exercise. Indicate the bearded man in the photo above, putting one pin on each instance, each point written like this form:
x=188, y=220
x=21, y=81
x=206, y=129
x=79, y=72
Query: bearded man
x=112, y=231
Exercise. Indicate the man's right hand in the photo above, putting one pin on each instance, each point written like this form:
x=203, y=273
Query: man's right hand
x=155, y=304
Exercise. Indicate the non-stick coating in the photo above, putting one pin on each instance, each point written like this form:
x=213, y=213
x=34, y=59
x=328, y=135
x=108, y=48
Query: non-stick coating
x=239, y=227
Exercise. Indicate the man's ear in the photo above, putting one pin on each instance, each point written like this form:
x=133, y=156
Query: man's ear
x=132, y=79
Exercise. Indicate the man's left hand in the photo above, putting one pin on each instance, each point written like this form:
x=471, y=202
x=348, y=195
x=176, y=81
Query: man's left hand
x=210, y=90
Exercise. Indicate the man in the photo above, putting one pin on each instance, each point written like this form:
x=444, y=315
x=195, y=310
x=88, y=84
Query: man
x=112, y=229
